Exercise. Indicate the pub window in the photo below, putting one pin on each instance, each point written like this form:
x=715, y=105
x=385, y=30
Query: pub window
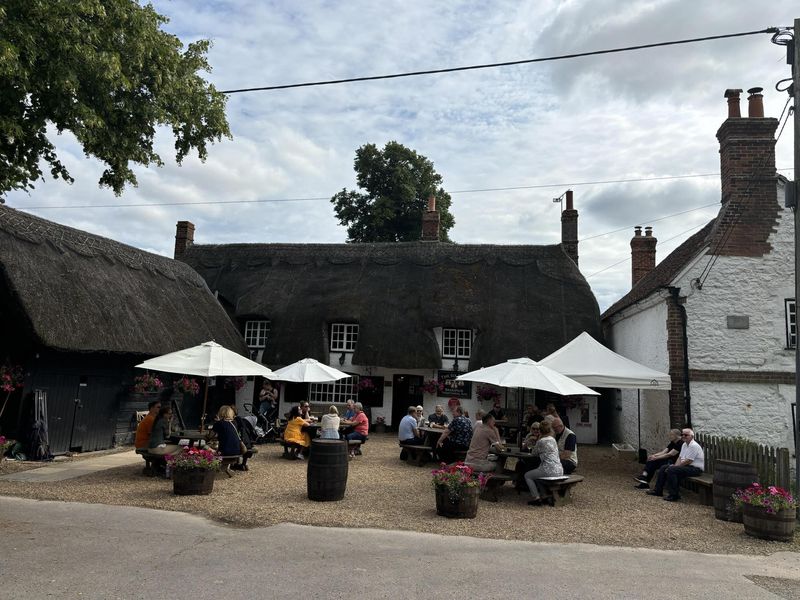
x=344, y=337
x=337, y=391
x=456, y=343
x=791, y=323
x=256, y=333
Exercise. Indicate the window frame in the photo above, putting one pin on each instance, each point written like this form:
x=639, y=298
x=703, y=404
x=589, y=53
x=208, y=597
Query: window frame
x=346, y=340
x=461, y=338
x=790, y=313
x=261, y=335
x=335, y=392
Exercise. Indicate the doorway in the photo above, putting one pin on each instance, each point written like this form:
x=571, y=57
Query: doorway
x=406, y=391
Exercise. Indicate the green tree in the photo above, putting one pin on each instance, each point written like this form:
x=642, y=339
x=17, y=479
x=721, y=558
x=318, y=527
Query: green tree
x=104, y=70
x=397, y=183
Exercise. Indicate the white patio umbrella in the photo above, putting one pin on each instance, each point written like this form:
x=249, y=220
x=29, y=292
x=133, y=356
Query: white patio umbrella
x=206, y=360
x=527, y=373
x=308, y=370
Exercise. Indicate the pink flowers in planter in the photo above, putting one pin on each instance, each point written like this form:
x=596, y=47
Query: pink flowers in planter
x=194, y=458
x=187, y=385
x=147, y=383
x=11, y=378
x=770, y=498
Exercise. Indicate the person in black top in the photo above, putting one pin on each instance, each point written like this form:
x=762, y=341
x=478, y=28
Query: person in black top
x=438, y=418
x=655, y=461
x=532, y=415
x=497, y=411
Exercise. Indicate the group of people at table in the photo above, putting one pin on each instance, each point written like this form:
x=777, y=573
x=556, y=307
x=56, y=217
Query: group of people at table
x=234, y=435
x=353, y=425
x=549, y=449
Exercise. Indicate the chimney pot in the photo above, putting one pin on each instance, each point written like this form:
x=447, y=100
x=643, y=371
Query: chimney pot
x=648, y=231
x=734, y=112
x=637, y=231
x=755, y=103
x=643, y=253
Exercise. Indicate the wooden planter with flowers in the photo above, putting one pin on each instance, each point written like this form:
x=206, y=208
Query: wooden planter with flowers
x=193, y=471
x=457, y=489
x=768, y=512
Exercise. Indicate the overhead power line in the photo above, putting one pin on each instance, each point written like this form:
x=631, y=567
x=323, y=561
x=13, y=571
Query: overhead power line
x=499, y=64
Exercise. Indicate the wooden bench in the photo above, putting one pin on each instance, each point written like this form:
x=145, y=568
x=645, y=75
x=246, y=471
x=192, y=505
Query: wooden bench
x=417, y=454
x=153, y=463
x=560, y=489
x=496, y=481
x=226, y=462
x=704, y=485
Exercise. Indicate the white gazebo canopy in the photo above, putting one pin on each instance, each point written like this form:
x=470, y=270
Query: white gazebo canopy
x=587, y=361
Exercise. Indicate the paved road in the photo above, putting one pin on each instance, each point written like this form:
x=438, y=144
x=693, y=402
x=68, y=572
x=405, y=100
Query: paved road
x=71, y=550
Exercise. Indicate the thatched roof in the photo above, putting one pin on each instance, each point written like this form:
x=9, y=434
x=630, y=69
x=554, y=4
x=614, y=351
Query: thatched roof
x=521, y=300
x=81, y=292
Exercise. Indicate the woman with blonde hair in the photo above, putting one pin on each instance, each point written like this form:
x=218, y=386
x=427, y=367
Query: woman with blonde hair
x=330, y=424
x=227, y=435
x=547, y=451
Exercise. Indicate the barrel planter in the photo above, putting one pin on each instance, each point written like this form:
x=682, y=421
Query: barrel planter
x=193, y=482
x=761, y=524
x=730, y=476
x=326, y=476
x=463, y=507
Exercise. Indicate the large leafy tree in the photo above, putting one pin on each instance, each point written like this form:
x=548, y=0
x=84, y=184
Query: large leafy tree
x=396, y=184
x=107, y=72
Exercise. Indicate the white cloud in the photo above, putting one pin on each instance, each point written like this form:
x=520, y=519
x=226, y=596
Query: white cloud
x=634, y=115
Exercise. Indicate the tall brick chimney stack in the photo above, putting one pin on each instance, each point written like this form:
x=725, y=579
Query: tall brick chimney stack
x=747, y=166
x=643, y=253
x=569, y=229
x=184, y=237
x=430, y=222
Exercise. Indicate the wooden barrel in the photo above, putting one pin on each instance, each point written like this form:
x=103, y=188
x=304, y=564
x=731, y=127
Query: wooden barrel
x=730, y=476
x=193, y=482
x=463, y=507
x=327, y=470
x=778, y=526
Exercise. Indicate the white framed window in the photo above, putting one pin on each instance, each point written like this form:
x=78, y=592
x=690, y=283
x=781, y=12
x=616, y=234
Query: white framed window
x=344, y=337
x=256, y=333
x=456, y=343
x=337, y=391
x=791, y=323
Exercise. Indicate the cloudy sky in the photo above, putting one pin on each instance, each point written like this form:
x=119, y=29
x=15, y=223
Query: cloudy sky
x=543, y=128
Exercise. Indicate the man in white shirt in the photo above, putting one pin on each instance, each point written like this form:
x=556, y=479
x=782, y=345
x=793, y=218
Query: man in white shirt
x=690, y=463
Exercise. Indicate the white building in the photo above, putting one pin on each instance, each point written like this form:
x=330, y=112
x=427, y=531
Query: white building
x=718, y=313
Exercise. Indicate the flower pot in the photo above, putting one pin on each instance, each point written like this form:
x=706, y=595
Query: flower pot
x=379, y=428
x=761, y=524
x=193, y=482
x=463, y=507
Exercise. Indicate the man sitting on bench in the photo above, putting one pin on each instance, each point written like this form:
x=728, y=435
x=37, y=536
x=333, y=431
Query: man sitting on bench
x=657, y=460
x=690, y=463
x=407, y=431
x=567, y=446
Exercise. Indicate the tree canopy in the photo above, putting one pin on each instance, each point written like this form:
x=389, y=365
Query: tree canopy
x=105, y=71
x=396, y=184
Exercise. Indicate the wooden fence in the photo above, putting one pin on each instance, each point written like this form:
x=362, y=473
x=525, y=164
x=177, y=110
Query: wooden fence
x=771, y=463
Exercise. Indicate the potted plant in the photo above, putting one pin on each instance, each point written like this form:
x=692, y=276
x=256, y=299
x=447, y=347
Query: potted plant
x=187, y=386
x=380, y=424
x=768, y=512
x=5, y=444
x=457, y=489
x=147, y=384
x=11, y=378
x=488, y=393
x=193, y=470
x=432, y=386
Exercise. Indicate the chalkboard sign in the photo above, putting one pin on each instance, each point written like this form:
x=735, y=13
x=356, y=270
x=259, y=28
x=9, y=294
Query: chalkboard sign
x=453, y=388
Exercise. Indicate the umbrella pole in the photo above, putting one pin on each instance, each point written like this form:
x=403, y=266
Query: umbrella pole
x=520, y=402
x=639, y=420
x=205, y=401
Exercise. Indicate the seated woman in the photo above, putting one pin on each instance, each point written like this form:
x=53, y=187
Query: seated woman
x=159, y=436
x=546, y=449
x=438, y=418
x=294, y=436
x=330, y=424
x=227, y=435
x=526, y=464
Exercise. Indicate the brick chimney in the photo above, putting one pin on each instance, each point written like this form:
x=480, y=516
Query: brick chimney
x=430, y=222
x=747, y=165
x=643, y=253
x=569, y=229
x=184, y=237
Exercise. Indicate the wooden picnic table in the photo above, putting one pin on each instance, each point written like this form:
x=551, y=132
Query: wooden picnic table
x=192, y=436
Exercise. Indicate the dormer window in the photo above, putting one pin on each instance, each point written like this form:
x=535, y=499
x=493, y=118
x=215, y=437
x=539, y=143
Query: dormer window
x=344, y=337
x=256, y=333
x=456, y=343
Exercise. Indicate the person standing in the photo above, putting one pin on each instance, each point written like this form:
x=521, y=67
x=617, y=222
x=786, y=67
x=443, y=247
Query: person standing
x=567, y=445
x=268, y=401
x=658, y=459
x=690, y=463
x=551, y=466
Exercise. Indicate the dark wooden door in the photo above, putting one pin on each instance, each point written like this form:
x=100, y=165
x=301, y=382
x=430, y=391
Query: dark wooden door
x=406, y=391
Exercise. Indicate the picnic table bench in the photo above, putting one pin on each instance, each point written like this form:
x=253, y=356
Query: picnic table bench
x=228, y=461
x=496, y=481
x=417, y=454
x=560, y=489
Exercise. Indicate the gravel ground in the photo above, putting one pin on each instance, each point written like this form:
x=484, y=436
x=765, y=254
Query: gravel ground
x=386, y=493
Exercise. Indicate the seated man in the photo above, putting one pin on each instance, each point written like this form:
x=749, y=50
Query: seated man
x=456, y=437
x=532, y=415
x=567, y=446
x=438, y=418
x=690, y=463
x=483, y=438
x=350, y=411
x=657, y=460
x=360, y=424
x=145, y=427
x=407, y=431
